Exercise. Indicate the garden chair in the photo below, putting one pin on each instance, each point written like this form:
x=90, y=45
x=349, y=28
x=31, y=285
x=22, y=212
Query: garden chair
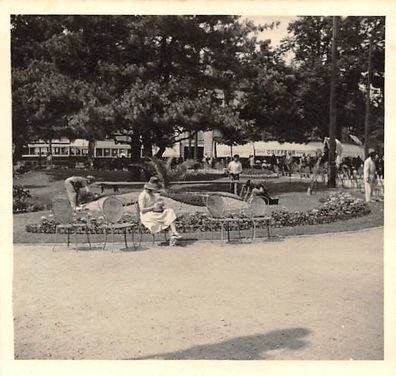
x=217, y=214
x=63, y=215
x=379, y=188
x=113, y=210
x=257, y=212
x=245, y=193
x=141, y=226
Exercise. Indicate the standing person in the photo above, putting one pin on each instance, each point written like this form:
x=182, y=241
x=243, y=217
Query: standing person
x=369, y=170
x=303, y=164
x=153, y=214
x=73, y=185
x=234, y=170
x=49, y=160
x=309, y=165
x=251, y=161
x=289, y=162
x=358, y=162
x=380, y=167
x=273, y=162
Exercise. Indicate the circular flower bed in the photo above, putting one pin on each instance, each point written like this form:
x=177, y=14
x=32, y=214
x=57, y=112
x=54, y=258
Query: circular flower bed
x=336, y=206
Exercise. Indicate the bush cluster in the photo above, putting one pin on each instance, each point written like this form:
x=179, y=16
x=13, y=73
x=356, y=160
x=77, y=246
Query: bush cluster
x=23, y=201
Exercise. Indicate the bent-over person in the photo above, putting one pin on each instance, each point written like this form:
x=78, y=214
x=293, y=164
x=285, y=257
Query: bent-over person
x=74, y=186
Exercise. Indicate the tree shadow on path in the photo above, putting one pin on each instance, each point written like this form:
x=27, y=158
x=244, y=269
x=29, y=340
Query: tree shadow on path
x=241, y=348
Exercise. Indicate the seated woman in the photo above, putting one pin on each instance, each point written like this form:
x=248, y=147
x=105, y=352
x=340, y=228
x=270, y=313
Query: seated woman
x=258, y=189
x=153, y=214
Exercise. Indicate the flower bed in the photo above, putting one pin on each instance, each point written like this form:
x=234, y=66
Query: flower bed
x=336, y=206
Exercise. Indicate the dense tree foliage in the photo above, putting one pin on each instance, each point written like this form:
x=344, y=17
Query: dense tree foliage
x=310, y=41
x=152, y=78
x=159, y=79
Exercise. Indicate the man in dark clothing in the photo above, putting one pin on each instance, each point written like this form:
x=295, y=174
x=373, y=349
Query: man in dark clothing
x=358, y=162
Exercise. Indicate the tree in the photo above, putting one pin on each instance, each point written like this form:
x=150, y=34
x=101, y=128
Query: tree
x=309, y=40
x=149, y=77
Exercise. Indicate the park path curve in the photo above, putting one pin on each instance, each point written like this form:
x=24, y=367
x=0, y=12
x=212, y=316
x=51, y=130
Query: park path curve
x=317, y=297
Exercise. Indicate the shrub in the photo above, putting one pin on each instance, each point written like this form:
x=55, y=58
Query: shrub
x=23, y=201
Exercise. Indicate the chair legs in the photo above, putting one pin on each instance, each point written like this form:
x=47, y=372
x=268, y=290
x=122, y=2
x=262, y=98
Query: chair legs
x=125, y=238
x=254, y=230
x=56, y=237
x=112, y=239
x=105, y=239
x=87, y=233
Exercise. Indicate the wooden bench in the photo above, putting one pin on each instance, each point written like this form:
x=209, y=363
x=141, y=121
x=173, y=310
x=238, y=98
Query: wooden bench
x=116, y=185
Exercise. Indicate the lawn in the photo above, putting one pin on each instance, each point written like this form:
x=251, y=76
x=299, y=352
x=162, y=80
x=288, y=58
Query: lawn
x=45, y=186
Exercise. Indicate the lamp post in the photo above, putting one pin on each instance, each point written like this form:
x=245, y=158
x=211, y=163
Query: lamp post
x=333, y=110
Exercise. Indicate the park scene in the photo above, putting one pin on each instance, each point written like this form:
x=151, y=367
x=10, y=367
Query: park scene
x=198, y=187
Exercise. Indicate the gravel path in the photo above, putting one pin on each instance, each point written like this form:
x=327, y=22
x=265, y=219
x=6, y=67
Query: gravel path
x=318, y=297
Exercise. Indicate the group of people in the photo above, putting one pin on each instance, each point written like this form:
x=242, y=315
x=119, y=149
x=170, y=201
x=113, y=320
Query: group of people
x=156, y=217
x=153, y=213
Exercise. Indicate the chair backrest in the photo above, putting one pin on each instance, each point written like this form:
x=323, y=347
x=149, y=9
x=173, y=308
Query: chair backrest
x=62, y=210
x=215, y=205
x=137, y=210
x=258, y=207
x=112, y=209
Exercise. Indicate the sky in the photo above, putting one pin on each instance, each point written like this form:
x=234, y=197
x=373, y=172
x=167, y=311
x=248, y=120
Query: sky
x=278, y=33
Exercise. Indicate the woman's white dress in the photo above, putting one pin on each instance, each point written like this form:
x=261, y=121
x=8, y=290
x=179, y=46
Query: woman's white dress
x=154, y=221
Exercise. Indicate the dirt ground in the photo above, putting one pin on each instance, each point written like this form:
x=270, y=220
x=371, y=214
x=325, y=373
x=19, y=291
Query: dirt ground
x=311, y=298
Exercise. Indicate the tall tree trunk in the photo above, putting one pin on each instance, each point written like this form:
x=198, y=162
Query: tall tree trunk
x=17, y=150
x=147, y=147
x=333, y=109
x=135, y=148
x=196, y=147
x=367, y=109
x=189, y=153
x=91, y=147
x=160, y=151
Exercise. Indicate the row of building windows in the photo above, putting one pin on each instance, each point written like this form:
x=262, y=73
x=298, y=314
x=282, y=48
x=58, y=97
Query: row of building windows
x=76, y=151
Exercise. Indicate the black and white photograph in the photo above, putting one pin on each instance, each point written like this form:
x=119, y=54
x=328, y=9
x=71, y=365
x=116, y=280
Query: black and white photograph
x=198, y=186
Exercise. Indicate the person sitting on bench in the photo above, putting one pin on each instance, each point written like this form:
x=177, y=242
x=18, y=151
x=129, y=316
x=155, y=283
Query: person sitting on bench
x=258, y=190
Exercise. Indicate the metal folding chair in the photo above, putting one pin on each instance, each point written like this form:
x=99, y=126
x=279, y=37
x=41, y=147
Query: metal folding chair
x=63, y=215
x=217, y=213
x=113, y=210
x=257, y=212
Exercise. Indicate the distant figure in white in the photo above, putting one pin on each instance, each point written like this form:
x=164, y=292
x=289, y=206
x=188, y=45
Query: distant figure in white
x=76, y=187
x=369, y=170
x=153, y=213
x=234, y=169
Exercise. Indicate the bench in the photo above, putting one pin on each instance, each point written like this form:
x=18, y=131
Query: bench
x=116, y=185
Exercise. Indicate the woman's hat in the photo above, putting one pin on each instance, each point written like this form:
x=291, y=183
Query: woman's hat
x=153, y=184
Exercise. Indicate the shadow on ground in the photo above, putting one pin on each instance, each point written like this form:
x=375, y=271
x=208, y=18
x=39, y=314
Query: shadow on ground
x=241, y=348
